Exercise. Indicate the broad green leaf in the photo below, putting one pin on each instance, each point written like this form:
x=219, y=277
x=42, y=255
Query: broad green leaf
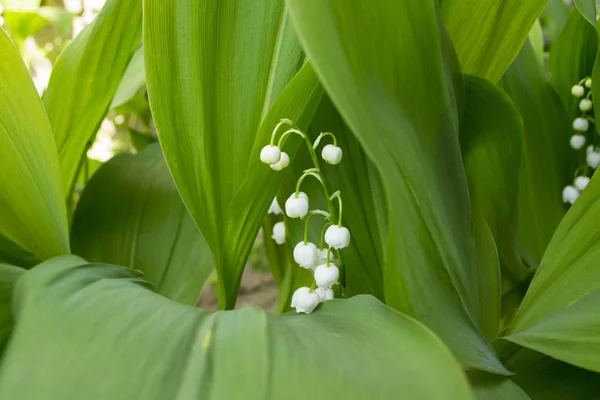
x=8, y=278
x=536, y=37
x=543, y=377
x=491, y=135
x=587, y=8
x=359, y=184
x=85, y=78
x=493, y=387
x=558, y=315
x=32, y=210
x=547, y=162
x=488, y=34
x=136, y=344
x=388, y=78
x=554, y=17
x=133, y=79
x=214, y=70
x=572, y=59
x=131, y=214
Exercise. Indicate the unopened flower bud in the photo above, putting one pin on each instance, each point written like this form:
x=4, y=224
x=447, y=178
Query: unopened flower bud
x=577, y=91
x=325, y=294
x=337, y=237
x=306, y=255
x=581, y=182
x=284, y=161
x=593, y=159
x=581, y=124
x=570, y=194
x=588, y=83
x=305, y=300
x=297, y=206
x=326, y=275
x=270, y=154
x=278, y=233
x=332, y=154
x=577, y=141
x=585, y=105
x=275, y=208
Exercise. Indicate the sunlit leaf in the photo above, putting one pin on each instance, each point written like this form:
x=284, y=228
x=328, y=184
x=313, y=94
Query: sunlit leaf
x=130, y=214
x=85, y=79
x=488, y=34
x=547, y=162
x=388, y=79
x=136, y=344
x=133, y=79
x=32, y=210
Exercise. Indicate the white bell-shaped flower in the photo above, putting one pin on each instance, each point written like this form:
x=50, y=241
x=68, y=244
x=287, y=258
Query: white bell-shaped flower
x=593, y=159
x=332, y=154
x=270, y=154
x=590, y=149
x=284, y=161
x=305, y=254
x=322, y=257
x=581, y=124
x=581, y=182
x=577, y=141
x=278, y=233
x=325, y=294
x=337, y=237
x=570, y=194
x=588, y=83
x=326, y=275
x=305, y=300
x=585, y=105
x=297, y=206
x=577, y=91
x=275, y=208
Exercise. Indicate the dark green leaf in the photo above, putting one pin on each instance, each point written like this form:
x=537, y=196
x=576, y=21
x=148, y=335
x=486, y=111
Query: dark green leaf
x=136, y=344
x=85, y=79
x=488, y=34
x=32, y=208
x=8, y=278
x=387, y=77
x=130, y=214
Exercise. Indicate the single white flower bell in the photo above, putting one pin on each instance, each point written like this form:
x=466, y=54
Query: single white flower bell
x=278, y=233
x=581, y=124
x=593, y=159
x=305, y=254
x=270, y=154
x=284, y=161
x=585, y=105
x=326, y=275
x=322, y=257
x=275, y=208
x=577, y=141
x=581, y=182
x=325, y=294
x=305, y=300
x=297, y=206
x=337, y=237
x=577, y=91
x=570, y=194
x=332, y=154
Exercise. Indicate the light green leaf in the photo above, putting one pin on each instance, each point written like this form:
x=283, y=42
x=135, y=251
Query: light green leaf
x=131, y=214
x=133, y=79
x=214, y=70
x=488, y=34
x=547, y=162
x=493, y=387
x=401, y=108
x=491, y=135
x=85, y=79
x=32, y=207
x=8, y=278
x=557, y=316
x=162, y=350
x=536, y=37
x=572, y=58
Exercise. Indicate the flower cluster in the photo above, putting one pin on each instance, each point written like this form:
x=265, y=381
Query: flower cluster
x=583, y=135
x=318, y=260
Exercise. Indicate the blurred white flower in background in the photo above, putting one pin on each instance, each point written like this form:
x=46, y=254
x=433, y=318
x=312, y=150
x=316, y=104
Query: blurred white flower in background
x=104, y=146
x=39, y=65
